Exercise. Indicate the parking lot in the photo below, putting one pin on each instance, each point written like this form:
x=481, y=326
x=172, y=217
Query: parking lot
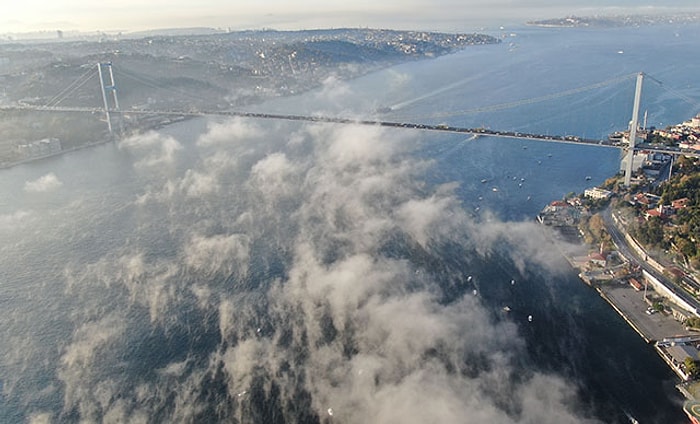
x=630, y=303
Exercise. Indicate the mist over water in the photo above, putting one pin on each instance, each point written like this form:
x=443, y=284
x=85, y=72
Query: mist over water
x=263, y=271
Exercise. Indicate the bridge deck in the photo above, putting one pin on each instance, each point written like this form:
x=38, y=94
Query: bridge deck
x=570, y=139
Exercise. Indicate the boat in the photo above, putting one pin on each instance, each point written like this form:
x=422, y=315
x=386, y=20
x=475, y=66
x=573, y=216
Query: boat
x=469, y=279
x=529, y=318
x=512, y=282
x=494, y=189
x=631, y=418
x=506, y=308
x=484, y=180
x=588, y=178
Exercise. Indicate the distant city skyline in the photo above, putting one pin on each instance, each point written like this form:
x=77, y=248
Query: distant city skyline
x=136, y=15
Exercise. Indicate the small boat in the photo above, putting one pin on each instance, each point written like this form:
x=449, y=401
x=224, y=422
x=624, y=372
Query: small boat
x=484, y=180
x=494, y=189
x=631, y=418
x=506, y=308
x=529, y=318
x=588, y=178
x=512, y=282
x=469, y=279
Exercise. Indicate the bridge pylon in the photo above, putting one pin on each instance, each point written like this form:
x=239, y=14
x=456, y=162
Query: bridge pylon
x=633, y=129
x=105, y=86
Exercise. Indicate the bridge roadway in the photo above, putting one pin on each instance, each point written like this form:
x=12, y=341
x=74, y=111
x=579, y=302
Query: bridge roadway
x=570, y=139
x=327, y=119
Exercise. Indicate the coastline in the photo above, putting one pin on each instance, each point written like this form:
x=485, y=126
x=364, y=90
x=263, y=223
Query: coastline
x=105, y=140
x=636, y=303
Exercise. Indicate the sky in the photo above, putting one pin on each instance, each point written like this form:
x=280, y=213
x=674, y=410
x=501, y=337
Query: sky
x=134, y=15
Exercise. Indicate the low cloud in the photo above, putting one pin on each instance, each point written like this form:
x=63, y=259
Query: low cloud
x=152, y=149
x=334, y=89
x=295, y=280
x=229, y=132
x=48, y=182
x=10, y=221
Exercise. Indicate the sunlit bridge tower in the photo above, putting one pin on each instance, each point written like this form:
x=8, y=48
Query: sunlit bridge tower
x=633, y=129
x=102, y=69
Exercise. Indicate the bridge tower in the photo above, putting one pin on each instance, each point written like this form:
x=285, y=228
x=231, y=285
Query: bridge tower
x=633, y=129
x=102, y=69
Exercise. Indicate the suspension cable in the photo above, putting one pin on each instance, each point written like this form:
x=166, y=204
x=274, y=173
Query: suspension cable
x=70, y=88
x=508, y=105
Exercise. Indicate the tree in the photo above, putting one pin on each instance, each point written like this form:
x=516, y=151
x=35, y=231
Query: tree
x=691, y=366
x=597, y=226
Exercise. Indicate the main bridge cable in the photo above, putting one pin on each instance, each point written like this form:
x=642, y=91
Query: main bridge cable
x=690, y=101
x=508, y=105
x=150, y=82
x=72, y=87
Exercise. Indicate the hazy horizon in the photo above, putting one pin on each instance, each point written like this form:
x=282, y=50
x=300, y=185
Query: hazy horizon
x=444, y=15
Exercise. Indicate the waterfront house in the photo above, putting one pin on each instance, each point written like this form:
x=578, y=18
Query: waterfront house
x=598, y=259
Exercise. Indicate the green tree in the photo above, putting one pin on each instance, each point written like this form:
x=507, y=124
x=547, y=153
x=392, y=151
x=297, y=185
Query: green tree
x=691, y=366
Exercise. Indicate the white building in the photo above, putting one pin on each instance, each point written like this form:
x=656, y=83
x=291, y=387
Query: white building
x=597, y=193
x=693, y=123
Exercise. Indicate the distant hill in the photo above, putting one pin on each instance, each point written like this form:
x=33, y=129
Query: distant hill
x=617, y=20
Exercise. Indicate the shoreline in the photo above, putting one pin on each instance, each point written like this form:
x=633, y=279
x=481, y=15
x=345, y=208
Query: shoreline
x=664, y=330
x=624, y=316
x=106, y=140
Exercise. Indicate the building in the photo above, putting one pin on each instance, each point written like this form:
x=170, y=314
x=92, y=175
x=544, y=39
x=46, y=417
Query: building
x=597, y=193
x=636, y=284
x=660, y=211
x=693, y=122
x=680, y=203
x=647, y=199
x=598, y=259
x=39, y=148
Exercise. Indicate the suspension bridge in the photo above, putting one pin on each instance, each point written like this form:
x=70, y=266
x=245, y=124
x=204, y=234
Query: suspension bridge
x=111, y=108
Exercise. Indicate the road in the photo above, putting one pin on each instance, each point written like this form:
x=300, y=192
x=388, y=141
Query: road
x=628, y=252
